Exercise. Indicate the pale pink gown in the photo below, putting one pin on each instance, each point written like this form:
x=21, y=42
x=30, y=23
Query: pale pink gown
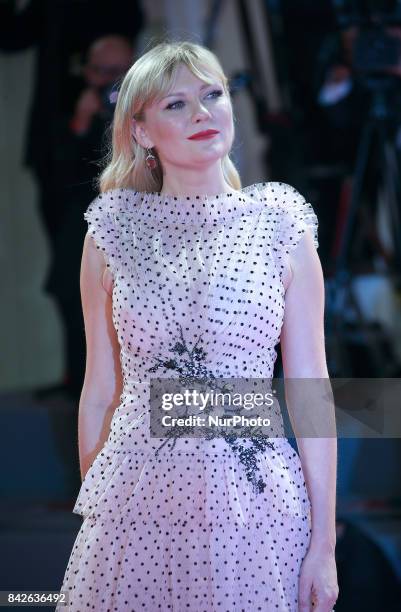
x=198, y=283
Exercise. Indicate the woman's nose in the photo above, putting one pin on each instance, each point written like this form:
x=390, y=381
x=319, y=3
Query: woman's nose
x=200, y=112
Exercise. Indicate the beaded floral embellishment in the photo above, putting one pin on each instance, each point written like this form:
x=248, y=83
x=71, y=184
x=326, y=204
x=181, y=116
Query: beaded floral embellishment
x=189, y=363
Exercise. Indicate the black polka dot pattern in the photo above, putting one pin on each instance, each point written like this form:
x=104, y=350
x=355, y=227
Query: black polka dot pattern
x=196, y=279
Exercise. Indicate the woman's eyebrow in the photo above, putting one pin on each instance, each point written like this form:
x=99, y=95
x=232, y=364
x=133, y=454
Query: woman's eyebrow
x=182, y=93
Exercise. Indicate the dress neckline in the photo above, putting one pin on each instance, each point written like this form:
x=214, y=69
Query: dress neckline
x=202, y=208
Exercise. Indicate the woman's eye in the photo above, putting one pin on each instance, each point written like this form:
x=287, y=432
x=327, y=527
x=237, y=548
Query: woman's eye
x=173, y=105
x=215, y=93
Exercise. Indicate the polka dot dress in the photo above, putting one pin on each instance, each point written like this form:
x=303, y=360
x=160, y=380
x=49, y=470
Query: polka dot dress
x=200, y=525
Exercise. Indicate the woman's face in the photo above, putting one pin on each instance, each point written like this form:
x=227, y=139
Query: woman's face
x=192, y=106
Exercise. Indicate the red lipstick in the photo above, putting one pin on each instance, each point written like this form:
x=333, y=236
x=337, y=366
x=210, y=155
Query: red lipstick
x=205, y=134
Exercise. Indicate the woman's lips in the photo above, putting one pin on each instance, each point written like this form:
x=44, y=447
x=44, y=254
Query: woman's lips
x=203, y=135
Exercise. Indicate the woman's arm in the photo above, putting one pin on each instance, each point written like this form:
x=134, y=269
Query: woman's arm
x=102, y=385
x=303, y=355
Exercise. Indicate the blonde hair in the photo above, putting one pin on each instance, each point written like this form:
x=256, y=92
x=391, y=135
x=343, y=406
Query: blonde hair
x=148, y=79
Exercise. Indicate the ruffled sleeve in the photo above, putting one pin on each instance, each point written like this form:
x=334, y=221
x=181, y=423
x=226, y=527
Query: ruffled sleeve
x=295, y=216
x=102, y=216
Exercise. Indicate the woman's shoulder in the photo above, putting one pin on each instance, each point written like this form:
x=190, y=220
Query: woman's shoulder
x=117, y=200
x=282, y=194
x=109, y=217
x=294, y=212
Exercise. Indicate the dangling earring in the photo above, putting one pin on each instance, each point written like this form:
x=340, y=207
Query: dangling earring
x=150, y=160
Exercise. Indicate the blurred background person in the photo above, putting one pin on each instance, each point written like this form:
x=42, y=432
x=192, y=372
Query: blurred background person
x=61, y=31
x=81, y=147
x=68, y=116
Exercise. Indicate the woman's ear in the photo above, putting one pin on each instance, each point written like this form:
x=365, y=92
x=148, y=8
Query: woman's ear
x=139, y=134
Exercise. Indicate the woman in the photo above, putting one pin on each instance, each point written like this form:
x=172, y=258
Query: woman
x=199, y=277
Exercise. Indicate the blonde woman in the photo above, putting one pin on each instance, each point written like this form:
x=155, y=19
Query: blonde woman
x=187, y=273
